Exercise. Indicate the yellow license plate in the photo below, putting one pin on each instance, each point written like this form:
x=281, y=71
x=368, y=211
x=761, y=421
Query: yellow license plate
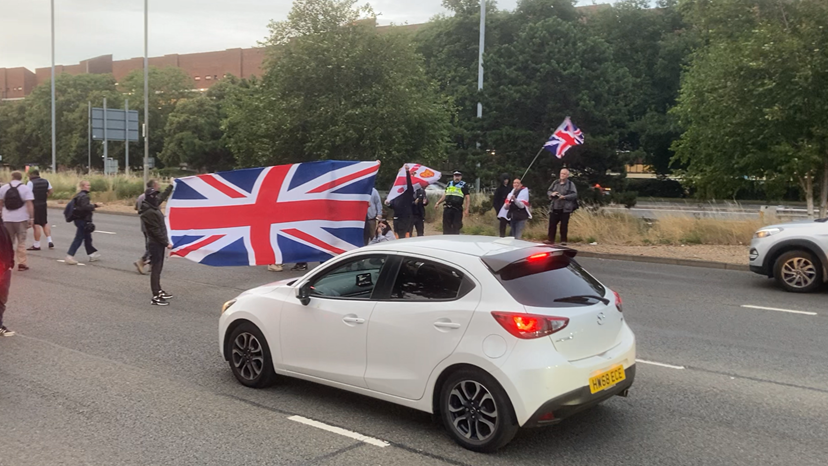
x=607, y=379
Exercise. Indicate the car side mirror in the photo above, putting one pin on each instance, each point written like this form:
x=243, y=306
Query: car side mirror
x=303, y=294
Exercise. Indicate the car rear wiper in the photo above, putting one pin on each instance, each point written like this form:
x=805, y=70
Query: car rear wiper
x=581, y=298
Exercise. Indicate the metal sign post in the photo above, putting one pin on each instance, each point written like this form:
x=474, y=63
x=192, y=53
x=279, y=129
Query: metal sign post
x=126, y=141
x=115, y=125
x=105, y=140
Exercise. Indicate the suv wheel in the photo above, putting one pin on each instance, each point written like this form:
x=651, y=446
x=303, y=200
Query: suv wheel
x=798, y=271
x=250, y=358
x=476, y=411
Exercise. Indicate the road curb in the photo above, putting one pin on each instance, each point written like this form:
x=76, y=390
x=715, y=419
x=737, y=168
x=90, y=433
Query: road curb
x=109, y=212
x=665, y=260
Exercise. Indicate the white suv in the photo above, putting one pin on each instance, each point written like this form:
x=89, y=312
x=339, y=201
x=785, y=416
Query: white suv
x=795, y=254
x=487, y=334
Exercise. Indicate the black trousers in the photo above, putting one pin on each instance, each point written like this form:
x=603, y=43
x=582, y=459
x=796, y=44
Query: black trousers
x=370, y=230
x=157, y=261
x=503, y=224
x=418, y=224
x=452, y=221
x=556, y=217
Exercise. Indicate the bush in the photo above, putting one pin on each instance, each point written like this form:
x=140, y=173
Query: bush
x=626, y=198
x=99, y=184
x=126, y=188
x=656, y=187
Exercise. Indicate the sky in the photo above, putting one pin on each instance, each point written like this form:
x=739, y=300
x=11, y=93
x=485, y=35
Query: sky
x=90, y=28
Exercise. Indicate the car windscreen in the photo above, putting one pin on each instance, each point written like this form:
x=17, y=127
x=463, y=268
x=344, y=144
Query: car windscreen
x=545, y=283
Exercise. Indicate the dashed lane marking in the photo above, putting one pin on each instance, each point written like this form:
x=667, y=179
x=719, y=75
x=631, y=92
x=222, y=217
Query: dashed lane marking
x=61, y=260
x=105, y=232
x=790, y=311
x=659, y=364
x=340, y=431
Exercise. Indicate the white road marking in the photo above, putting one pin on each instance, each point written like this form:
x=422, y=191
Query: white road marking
x=669, y=366
x=61, y=260
x=106, y=232
x=750, y=306
x=340, y=431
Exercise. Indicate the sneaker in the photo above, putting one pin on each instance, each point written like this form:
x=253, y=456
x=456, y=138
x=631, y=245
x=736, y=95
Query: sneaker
x=95, y=257
x=159, y=301
x=563, y=243
x=164, y=295
x=300, y=268
x=139, y=264
x=70, y=260
x=4, y=332
x=22, y=268
x=51, y=245
x=33, y=248
x=275, y=268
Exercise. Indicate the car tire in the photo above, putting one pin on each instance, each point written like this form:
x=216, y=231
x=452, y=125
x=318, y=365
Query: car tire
x=476, y=411
x=249, y=357
x=798, y=271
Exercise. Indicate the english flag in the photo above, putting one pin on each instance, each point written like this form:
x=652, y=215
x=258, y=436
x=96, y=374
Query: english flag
x=420, y=175
x=306, y=212
x=565, y=137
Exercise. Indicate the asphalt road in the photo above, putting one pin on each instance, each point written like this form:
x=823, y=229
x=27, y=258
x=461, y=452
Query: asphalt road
x=98, y=376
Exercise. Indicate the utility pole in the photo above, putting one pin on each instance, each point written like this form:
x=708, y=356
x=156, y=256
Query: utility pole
x=146, y=94
x=480, y=73
x=54, y=133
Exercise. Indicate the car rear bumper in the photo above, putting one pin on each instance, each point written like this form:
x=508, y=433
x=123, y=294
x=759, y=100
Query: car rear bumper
x=563, y=406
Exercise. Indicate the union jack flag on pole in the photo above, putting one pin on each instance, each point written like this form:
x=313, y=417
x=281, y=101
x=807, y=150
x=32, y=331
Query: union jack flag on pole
x=565, y=137
x=306, y=212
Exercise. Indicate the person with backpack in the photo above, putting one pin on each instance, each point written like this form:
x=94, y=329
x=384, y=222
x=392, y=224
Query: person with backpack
x=18, y=214
x=6, y=267
x=563, y=197
x=152, y=220
x=79, y=210
x=41, y=189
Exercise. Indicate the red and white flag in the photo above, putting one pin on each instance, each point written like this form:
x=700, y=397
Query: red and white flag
x=420, y=175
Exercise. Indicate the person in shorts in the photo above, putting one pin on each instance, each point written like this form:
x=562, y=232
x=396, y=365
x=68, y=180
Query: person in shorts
x=42, y=189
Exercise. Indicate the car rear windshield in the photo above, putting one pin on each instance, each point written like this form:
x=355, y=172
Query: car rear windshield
x=541, y=284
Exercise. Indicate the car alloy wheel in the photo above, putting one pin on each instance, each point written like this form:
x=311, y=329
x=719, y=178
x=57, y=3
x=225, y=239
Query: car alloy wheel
x=248, y=356
x=799, y=272
x=473, y=411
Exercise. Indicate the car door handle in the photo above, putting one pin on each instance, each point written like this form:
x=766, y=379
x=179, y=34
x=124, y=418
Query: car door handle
x=353, y=320
x=449, y=325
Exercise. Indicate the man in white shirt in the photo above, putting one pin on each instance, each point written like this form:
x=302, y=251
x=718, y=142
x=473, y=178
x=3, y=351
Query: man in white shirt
x=18, y=214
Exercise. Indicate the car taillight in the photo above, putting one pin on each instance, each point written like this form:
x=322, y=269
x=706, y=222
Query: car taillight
x=619, y=303
x=528, y=326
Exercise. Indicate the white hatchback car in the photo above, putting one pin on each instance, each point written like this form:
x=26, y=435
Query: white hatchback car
x=487, y=334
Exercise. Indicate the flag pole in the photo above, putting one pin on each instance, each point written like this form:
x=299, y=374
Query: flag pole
x=533, y=162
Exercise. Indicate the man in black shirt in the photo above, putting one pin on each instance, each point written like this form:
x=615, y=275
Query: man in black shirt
x=41, y=189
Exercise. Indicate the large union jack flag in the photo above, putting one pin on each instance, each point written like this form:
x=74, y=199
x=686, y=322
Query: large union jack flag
x=306, y=212
x=565, y=137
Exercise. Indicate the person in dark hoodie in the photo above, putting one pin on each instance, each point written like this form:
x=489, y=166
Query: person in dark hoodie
x=152, y=220
x=418, y=217
x=500, y=196
x=403, y=206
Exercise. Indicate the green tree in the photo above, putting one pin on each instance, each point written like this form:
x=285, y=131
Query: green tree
x=753, y=103
x=336, y=89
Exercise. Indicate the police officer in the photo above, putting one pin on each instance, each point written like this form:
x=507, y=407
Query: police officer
x=458, y=201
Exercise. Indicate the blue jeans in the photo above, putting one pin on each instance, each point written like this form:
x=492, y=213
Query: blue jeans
x=81, y=236
x=517, y=228
x=5, y=283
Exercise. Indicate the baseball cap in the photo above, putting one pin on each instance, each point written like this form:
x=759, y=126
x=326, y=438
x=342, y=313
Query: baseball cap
x=457, y=172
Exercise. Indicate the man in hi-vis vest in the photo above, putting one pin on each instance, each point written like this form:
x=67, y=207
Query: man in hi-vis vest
x=458, y=201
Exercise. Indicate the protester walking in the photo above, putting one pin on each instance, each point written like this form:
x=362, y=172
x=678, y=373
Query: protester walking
x=152, y=219
x=82, y=217
x=18, y=215
x=500, y=196
x=457, y=202
x=142, y=263
x=41, y=189
x=418, y=212
x=403, y=206
x=6, y=267
x=563, y=196
x=371, y=217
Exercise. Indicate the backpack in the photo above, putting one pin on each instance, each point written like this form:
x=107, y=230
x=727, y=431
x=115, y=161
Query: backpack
x=69, y=211
x=12, y=199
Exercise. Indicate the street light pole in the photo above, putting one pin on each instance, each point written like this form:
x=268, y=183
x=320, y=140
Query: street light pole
x=146, y=94
x=480, y=73
x=54, y=136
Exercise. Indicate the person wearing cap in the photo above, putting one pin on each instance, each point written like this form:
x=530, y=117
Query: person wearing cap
x=457, y=202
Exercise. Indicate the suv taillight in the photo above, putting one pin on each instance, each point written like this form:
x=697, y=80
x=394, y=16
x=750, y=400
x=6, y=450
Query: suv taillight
x=619, y=303
x=529, y=326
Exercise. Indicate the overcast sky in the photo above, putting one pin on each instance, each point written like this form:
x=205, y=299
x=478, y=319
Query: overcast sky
x=89, y=28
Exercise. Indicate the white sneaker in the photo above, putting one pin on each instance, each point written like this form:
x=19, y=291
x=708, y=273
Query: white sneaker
x=70, y=260
x=94, y=257
x=275, y=268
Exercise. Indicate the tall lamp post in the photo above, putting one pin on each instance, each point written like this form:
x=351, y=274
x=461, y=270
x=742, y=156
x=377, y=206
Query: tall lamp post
x=54, y=136
x=146, y=95
x=480, y=71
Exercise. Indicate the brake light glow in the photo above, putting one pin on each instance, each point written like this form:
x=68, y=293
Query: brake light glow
x=619, y=303
x=538, y=257
x=529, y=326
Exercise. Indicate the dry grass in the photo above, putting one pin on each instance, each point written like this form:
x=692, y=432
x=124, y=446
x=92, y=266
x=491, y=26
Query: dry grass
x=104, y=188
